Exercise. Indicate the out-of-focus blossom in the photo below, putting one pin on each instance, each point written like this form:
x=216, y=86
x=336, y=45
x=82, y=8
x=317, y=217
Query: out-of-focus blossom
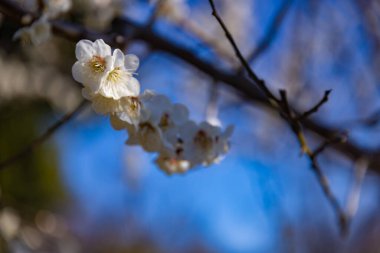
x=40, y=30
x=9, y=223
x=53, y=8
x=20, y=80
x=175, y=10
x=36, y=34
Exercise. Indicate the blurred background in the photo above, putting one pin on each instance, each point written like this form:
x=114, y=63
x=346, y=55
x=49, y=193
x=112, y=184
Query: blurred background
x=84, y=190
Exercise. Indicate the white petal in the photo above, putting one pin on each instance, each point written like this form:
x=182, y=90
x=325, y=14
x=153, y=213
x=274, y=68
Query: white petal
x=130, y=110
x=77, y=71
x=132, y=135
x=101, y=48
x=156, y=106
x=87, y=93
x=118, y=58
x=161, y=101
x=147, y=95
x=84, y=50
x=210, y=129
x=134, y=86
x=118, y=88
x=126, y=118
x=171, y=136
x=103, y=105
x=180, y=114
x=109, y=62
x=188, y=130
x=150, y=137
x=83, y=74
x=144, y=114
x=131, y=62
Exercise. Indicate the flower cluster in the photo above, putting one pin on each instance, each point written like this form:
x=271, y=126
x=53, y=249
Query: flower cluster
x=151, y=120
x=40, y=30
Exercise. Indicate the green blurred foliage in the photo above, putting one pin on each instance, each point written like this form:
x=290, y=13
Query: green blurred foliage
x=33, y=182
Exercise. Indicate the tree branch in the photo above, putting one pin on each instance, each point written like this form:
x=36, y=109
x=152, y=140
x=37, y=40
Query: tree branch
x=244, y=87
x=285, y=111
x=315, y=108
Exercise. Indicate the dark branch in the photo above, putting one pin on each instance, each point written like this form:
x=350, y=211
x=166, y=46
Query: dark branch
x=284, y=109
x=241, y=84
x=338, y=139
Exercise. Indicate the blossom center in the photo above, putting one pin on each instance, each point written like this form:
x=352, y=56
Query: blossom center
x=97, y=64
x=133, y=107
x=203, y=140
x=146, y=127
x=134, y=103
x=115, y=75
x=165, y=121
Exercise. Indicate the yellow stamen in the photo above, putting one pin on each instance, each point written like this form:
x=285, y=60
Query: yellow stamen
x=98, y=64
x=114, y=76
x=203, y=140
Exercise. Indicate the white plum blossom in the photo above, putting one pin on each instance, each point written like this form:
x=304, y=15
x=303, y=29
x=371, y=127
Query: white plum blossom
x=119, y=81
x=40, y=30
x=205, y=144
x=157, y=117
x=151, y=120
x=93, y=61
x=191, y=145
x=37, y=33
x=110, y=75
x=219, y=145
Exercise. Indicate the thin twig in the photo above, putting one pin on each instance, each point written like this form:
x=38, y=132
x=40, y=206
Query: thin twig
x=260, y=83
x=324, y=183
x=39, y=140
x=337, y=139
x=315, y=108
x=322, y=179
